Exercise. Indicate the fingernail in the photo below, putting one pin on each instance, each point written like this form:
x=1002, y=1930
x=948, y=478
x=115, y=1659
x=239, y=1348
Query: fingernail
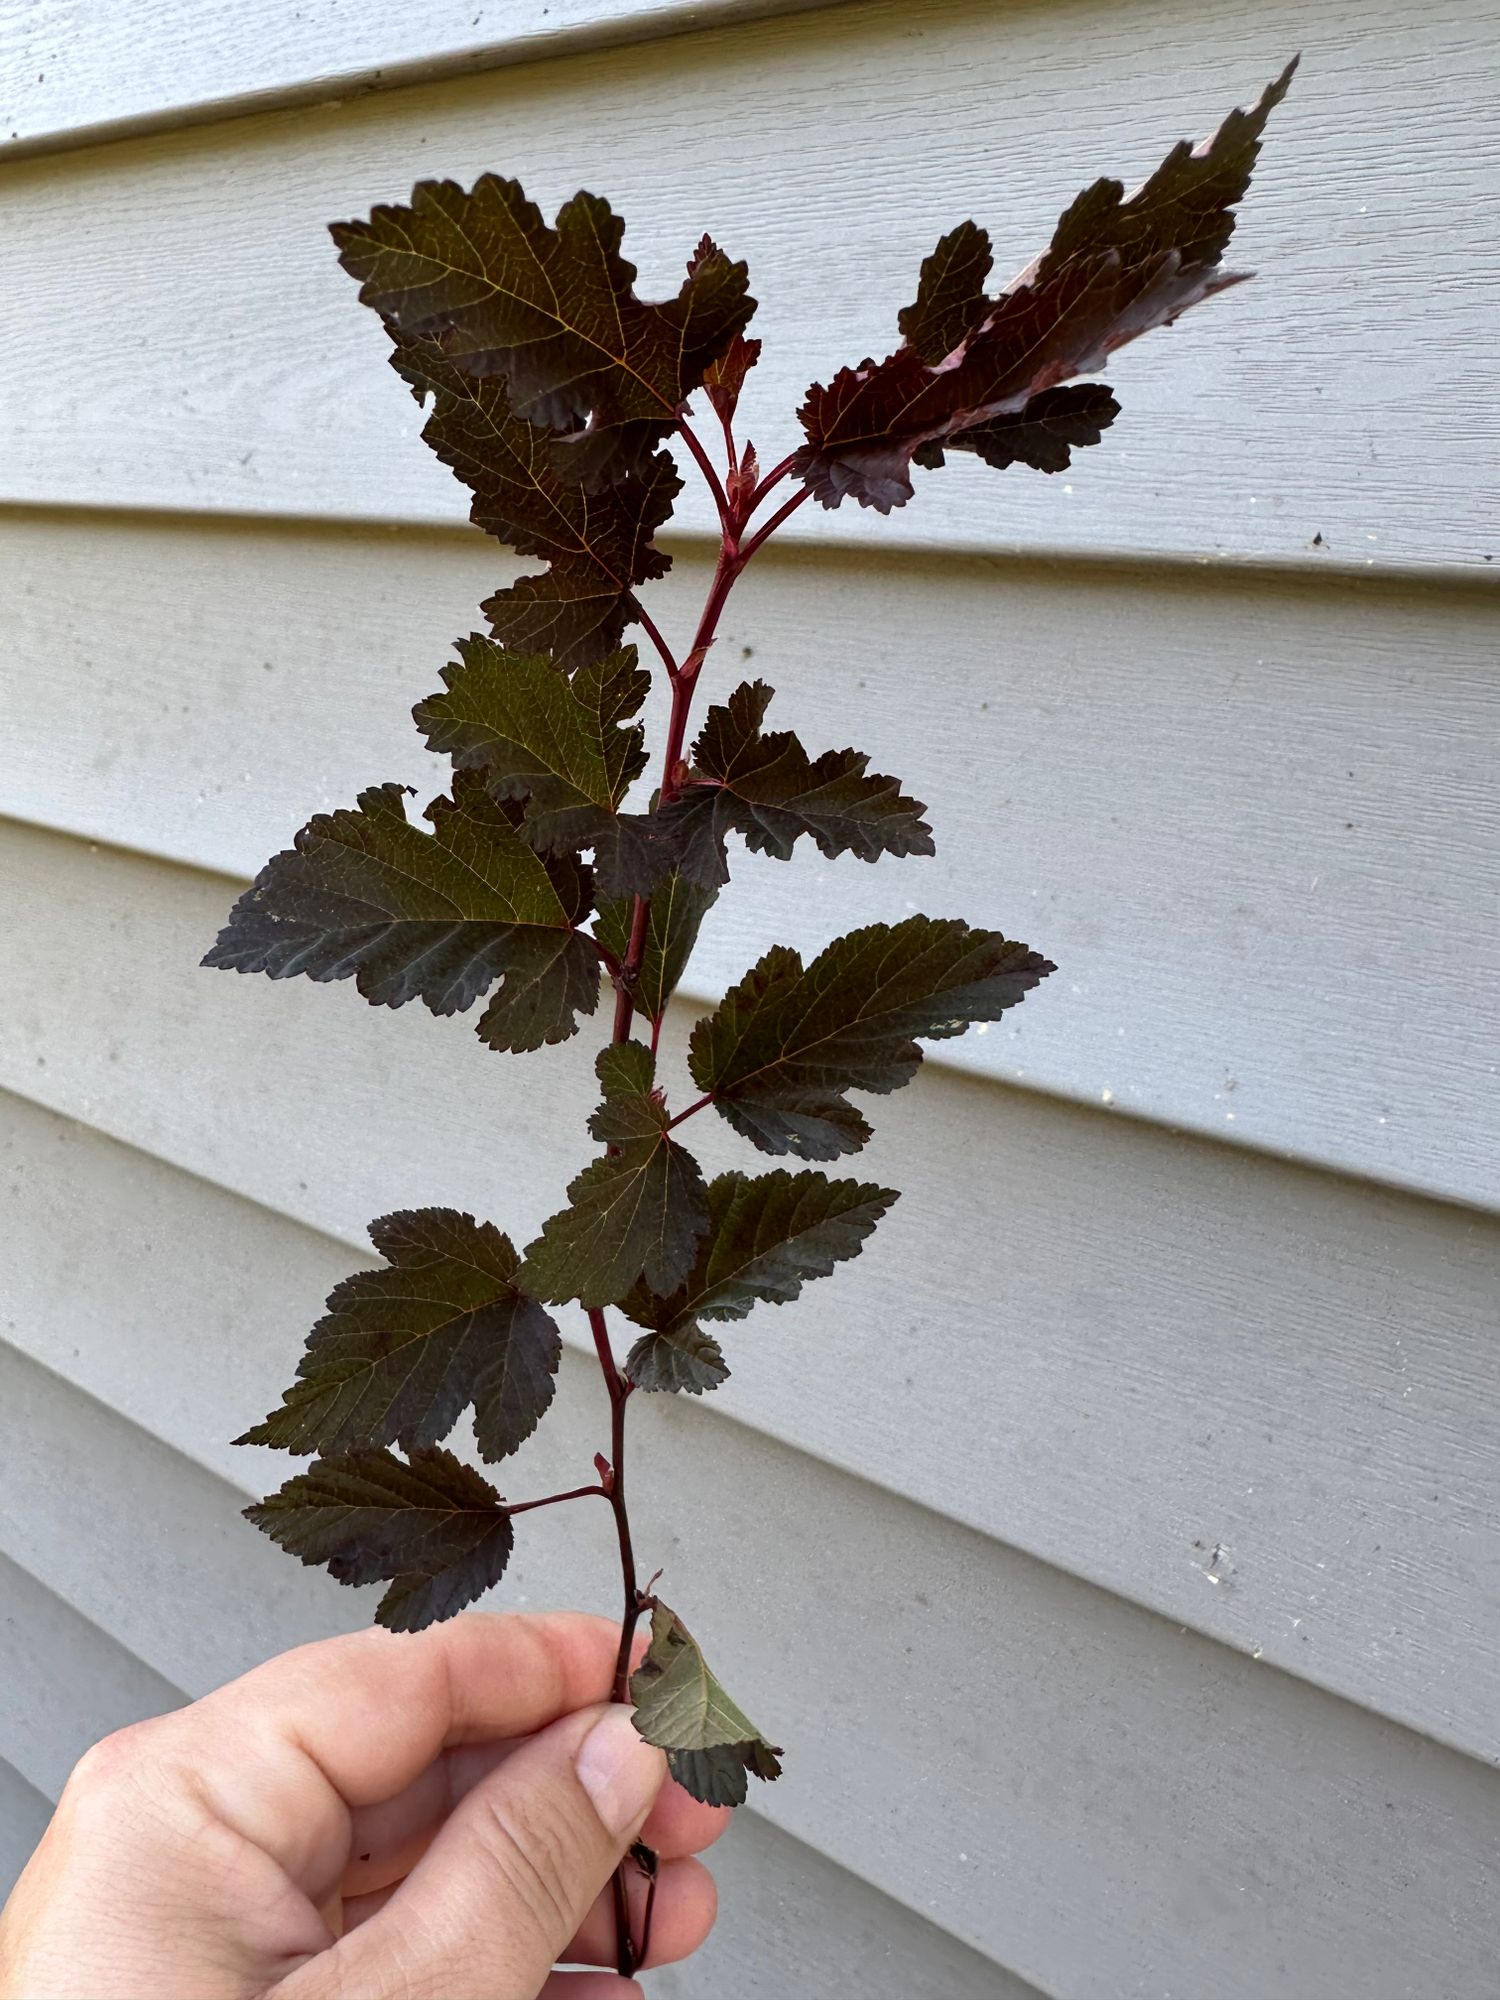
x=619, y=1770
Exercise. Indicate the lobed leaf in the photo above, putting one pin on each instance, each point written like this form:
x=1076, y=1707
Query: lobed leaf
x=682, y=1708
x=542, y=498
x=767, y=1235
x=431, y=1527
x=1117, y=266
x=636, y=1213
x=568, y=748
x=402, y=1351
x=437, y=917
x=768, y=789
x=787, y=1044
x=553, y=309
x=678, y=908
x=677, y=1358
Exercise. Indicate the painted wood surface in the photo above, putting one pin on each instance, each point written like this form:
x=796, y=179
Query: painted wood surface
x=1238, y=819
x=1046, y=1752
x=68, y=1683
x=189, y=342
x=23, y=1819
x=1139, y=1314
x=72, y=71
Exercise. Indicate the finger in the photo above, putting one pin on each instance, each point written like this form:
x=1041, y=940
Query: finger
x=687, y=1901
x=680, y=1824
x=387, y=1840
x=590, y=1986
x=513, y=1873
x=283, y=1754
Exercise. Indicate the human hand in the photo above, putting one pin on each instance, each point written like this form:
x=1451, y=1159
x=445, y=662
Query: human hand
x=419, y=1817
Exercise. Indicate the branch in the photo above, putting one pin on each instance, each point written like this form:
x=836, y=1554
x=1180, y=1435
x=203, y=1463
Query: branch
x=552, y=1499
x=706, y=466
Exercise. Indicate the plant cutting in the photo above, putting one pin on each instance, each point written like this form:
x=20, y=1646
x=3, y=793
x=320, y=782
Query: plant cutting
x=552, y=872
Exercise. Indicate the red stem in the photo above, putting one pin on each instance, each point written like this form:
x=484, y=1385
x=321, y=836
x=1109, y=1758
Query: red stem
x=772, y=479
x=706, y=466
x=764, y=534
x=649, y=627
x=551, y=1499
x=684, y=679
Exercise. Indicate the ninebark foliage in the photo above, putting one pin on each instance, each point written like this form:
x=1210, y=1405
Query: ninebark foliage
x=552, y=390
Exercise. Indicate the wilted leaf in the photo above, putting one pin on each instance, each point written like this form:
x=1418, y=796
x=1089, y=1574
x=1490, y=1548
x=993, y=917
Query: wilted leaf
x=678, y=908
x=432, y=1528
x=532, y=493
x=432, y=916
x=681, y=1707
x=1116, y=268
x=557, y=744
x=785, y=1046
x=403, y=1350
x=636, y=1213
x=767, y=1235
x=552, y=309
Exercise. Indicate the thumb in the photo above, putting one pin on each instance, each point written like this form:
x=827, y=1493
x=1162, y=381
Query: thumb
x=509, y=1879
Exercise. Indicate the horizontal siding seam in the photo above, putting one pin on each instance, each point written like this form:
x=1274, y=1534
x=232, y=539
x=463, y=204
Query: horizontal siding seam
x=798, y=539
x=154, y=1438
x=712, y=1416
x=656, y=20
x=952, y=1064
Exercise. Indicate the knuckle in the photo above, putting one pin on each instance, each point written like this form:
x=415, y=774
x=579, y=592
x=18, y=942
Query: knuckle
x=109, y=1762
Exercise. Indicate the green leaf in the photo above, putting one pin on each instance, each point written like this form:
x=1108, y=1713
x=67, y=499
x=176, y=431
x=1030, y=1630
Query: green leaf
x=434, y=917
x=678, y=908
x=538, y=496
x=433, y=1528
x=566, y=747
x=677, y=1358
x=552, y=309
x=767, y=1235
x=401, y=1352
x=787, y=1044
x=681, y=1707
x=638, y=1212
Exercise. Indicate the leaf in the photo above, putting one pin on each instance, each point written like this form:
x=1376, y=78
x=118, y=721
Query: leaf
x=557, y=744
x=725, y=378
x=678, y=908
x=1043, y=433
x=683, y=1709
x=432, y=1528
x=771, y=791
x=1116, y=268
x=552, y=309
x=677, y=1358
x=788, y=1042
x=542, y=498
x=636, y=1213
x=767, y=1235
x=401, y=1352
x=436, y=917
x=767, y=788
